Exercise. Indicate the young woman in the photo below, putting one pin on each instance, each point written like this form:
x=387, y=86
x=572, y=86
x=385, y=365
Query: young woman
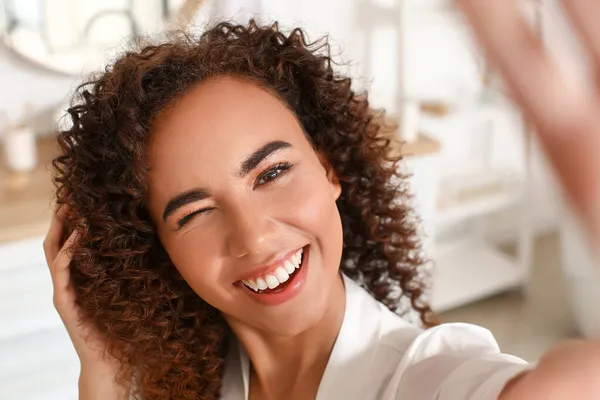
x=235, y=232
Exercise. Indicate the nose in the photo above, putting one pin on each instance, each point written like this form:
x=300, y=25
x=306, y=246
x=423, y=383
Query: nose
x=251, y=231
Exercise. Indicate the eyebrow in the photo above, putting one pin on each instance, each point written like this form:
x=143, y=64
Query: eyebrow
x=249, y=164
x=182, y=199
x=254, y=159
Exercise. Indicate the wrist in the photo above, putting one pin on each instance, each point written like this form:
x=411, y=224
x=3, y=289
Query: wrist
x=100, y=362
x=98, y=368
x=98, y=380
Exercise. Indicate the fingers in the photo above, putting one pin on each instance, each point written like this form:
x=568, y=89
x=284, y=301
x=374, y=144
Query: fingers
x=57, y=254
x=584, y=14
x=566, y=116
x=59, y=268
x=519, y=55
x=56, y=231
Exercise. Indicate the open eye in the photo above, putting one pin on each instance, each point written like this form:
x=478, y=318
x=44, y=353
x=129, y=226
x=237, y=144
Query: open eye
x=272, y=173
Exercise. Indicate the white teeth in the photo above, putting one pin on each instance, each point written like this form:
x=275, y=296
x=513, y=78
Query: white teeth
x=272, y=281
x=281, y=275
x=297, y=258
x=290, y=266
x=252, y=285
x=261, y=284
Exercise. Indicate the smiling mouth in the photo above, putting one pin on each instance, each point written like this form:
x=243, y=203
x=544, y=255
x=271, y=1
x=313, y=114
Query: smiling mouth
x=280, y=278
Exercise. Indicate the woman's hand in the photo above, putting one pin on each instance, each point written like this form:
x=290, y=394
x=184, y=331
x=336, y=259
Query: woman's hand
x=567, y=121
x=98, y=369
x=566, y=117
x=88, y=342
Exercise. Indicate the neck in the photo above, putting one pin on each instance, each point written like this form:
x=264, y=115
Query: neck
x=279, y=363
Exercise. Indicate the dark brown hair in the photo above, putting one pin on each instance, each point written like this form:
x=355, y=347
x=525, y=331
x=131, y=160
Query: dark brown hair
x=161, y=331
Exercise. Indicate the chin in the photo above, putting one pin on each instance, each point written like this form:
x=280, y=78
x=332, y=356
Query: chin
x=307, y=310
x=296, y=323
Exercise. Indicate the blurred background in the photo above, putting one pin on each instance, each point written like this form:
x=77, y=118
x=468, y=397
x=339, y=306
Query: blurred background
x=506, y=253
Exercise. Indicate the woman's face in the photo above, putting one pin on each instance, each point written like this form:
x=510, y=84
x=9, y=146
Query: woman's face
x=244, y=206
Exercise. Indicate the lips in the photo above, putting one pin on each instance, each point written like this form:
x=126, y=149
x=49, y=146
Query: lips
x=277, y=277
x=285, y=291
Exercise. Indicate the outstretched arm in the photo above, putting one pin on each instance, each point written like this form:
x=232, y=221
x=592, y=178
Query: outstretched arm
x=567, y=121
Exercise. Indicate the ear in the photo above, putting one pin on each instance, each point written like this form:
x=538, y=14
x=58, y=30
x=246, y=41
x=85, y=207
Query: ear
x=332, y=177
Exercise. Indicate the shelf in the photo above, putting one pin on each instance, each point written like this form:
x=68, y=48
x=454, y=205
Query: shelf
x=25, y=212
x=469, y=198
x=470, y=270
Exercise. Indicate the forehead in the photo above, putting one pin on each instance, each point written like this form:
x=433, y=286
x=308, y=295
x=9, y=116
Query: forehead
x=222, y=111
x=213, y=128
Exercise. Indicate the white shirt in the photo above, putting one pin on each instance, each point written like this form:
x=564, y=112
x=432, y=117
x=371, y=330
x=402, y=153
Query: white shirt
x=380, y=356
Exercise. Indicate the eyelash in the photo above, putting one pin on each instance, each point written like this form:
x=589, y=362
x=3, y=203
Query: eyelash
x=186, y=218
x=278, y=168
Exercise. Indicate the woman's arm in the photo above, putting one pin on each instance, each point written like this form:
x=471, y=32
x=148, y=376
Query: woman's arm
x=570, y=371
x=97, y=382
x=97, y=379
x=567, y=121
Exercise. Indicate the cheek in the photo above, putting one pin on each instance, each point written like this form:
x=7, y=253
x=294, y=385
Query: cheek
x=317, y=214
x=311, y=202
x=193, y=255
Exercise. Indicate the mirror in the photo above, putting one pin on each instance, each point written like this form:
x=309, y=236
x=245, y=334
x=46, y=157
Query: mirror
x=75, y=37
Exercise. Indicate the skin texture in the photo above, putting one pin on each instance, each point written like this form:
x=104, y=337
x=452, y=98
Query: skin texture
x=163, y=303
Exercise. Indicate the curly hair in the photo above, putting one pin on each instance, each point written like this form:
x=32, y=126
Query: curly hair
x=161, y=331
